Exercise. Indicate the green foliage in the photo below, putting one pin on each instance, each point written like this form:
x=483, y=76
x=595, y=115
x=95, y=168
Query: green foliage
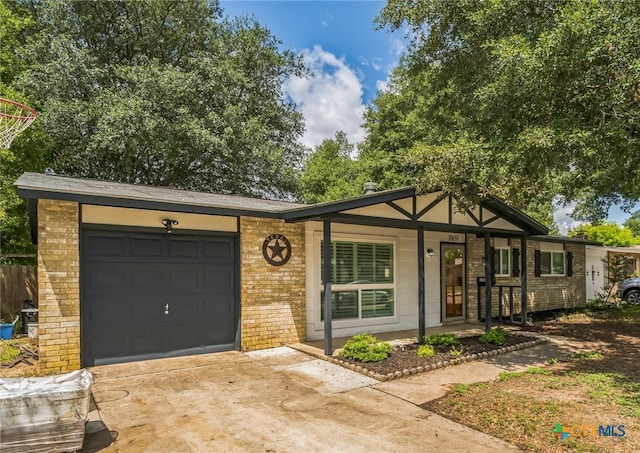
x=365, y=347
x=609, y=233
x=585, y=355
x=633, y=223
x=551, y=109
x=456, y=352
x=330, y=173
x=9, y=350
x=426, y=350
x=497, y=336
x=460, y=389
x=176, y=97
x=443, y=339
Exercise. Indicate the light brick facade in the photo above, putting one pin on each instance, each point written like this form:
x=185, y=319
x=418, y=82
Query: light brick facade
x=544, y=293
x=272, y=297
x=58, y=286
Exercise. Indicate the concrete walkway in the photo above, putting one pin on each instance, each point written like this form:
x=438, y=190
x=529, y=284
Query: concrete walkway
x=282, y=400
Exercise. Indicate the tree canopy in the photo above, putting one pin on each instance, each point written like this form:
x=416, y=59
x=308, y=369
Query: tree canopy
x=330, y=173
x=164, y=93
x=610, y=234
x=533, y=101
x=157, y=92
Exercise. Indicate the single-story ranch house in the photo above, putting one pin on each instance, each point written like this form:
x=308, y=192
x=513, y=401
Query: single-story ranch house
x=129, y=272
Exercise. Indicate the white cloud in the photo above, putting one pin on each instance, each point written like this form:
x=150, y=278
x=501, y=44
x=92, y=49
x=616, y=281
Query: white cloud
x=330, y=98
x=398, y=45
x=326, y=19
x=562, y=218
x=375, y=63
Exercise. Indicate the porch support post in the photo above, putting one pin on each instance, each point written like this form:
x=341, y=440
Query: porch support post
x=487, y=276
x=523, y=280
x=421, y=308
x=326, y=256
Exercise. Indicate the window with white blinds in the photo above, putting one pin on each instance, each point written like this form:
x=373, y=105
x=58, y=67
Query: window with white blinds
x=362, y=277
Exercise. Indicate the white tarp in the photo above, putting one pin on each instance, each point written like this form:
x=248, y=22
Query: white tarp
x=44, y=414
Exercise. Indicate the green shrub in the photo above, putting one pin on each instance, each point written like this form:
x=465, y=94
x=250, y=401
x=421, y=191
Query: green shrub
x=497, y=336
x=444, y=339
x=456, y=352
x=425, y=350
x=365, y=347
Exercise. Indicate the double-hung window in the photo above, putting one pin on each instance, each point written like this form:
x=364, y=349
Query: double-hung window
x=363, y=280
x=501, y=259
x=552, y=259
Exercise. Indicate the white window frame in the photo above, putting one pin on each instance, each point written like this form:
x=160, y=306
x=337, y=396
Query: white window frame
x=498, y=265
x=347, y=322
x=551, y=250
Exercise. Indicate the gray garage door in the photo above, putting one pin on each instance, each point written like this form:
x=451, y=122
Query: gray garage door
x=150, y=295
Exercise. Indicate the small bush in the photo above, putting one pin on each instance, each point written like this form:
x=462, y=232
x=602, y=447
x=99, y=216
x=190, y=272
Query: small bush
x=425, y=350
x=365, y=347
x=497, y=336
x=443, y=339
x=456, y=352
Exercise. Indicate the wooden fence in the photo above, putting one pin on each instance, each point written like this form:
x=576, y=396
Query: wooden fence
x=17, y=284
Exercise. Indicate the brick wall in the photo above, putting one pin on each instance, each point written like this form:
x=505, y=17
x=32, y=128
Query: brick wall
x=58, y=286
x=544, y=293
x=272, y=297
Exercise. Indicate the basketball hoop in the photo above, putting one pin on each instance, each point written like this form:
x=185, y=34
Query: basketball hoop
x=14, y=118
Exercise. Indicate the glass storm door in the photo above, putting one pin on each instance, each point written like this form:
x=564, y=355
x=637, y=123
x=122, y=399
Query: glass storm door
x=453, y=291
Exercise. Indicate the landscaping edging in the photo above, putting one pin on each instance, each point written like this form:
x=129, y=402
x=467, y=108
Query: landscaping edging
x=361, y=368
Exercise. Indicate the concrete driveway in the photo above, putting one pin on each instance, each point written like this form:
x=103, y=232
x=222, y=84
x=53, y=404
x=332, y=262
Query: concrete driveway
x=277, y=400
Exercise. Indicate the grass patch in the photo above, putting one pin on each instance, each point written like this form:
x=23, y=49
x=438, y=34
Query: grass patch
x=9, y=349
x=585, y=355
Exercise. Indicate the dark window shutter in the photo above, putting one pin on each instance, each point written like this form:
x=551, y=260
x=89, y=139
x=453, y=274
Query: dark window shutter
x=515, y=262
x=569, y=264
x=537, y=263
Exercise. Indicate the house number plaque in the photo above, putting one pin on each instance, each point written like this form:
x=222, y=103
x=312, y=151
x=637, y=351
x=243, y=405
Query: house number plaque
x=276, y=249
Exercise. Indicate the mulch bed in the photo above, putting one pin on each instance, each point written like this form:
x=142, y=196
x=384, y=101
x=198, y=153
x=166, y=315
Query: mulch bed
x=404, y=361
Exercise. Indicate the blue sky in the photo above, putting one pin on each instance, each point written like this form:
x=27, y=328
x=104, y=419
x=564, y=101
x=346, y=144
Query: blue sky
x=350, y=60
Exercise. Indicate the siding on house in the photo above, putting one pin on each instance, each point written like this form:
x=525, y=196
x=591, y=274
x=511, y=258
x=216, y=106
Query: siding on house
x=406, y=278
x=544, y=292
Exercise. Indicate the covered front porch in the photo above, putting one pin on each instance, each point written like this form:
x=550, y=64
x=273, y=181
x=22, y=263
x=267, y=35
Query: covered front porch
x=408, y=284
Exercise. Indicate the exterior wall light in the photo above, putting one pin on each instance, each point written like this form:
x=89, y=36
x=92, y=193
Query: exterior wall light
x=168, y=224
x=431, y=252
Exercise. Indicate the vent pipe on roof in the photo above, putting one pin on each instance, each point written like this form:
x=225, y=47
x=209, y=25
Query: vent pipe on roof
x=370, y=187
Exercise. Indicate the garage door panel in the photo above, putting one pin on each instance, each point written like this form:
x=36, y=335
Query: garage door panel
x=219, y=279
x=185, y=278
x=153, y=277
x=147, y=247
x=129, y=277
x=219, y=249
x=219, y=336
x=147, y=343
x=184, y=248
x=104, y=245
x=105, y=279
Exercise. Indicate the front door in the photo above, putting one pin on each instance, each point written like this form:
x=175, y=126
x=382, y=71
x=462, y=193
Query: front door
x=453, y=290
